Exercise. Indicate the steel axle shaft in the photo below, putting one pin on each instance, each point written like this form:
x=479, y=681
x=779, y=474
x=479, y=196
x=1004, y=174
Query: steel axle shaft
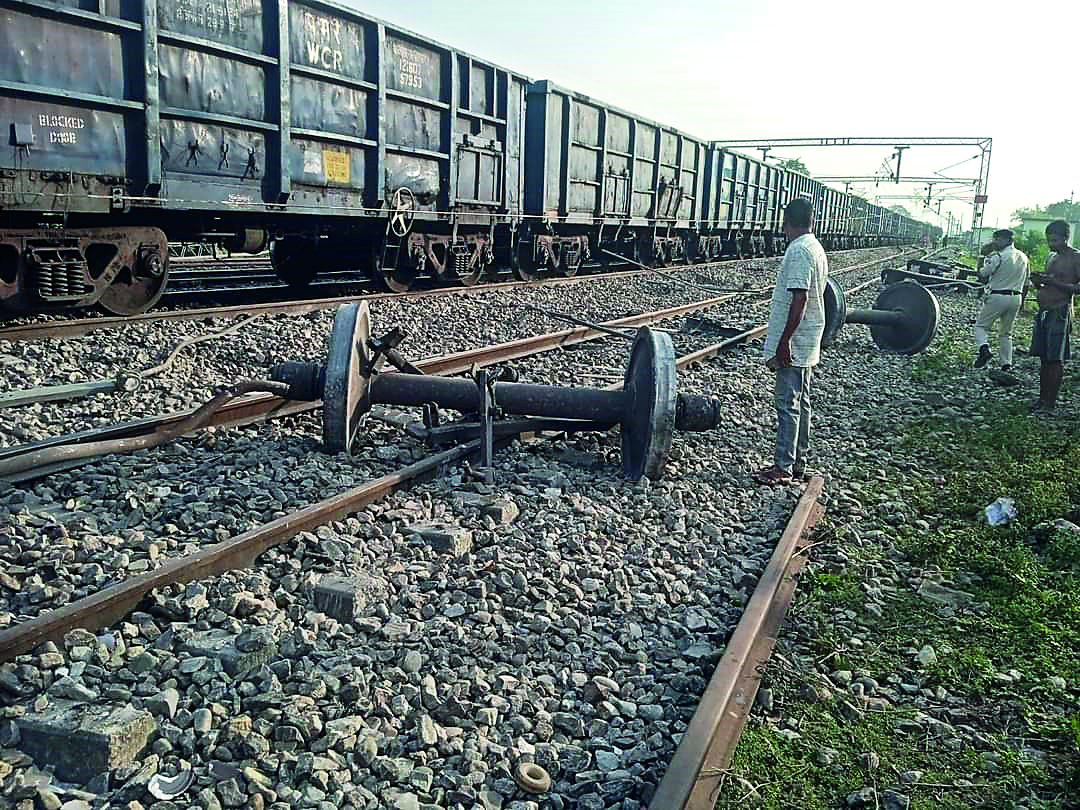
x=647, y=408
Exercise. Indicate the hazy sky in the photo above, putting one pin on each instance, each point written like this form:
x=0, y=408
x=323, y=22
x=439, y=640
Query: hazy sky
x=830, y=68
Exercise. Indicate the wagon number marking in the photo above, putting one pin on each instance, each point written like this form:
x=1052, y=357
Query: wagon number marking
x=411, y=64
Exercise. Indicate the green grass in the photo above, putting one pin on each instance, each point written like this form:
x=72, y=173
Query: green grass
x=948, y=355
x=1026, y=584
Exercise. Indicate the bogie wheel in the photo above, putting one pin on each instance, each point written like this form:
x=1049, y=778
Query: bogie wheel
x=137, y=289
x=396, y=279
x=295, y=261
x=566, y=266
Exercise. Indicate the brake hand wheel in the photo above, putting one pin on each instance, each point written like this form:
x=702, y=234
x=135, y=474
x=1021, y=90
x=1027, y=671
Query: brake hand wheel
x=401, y=212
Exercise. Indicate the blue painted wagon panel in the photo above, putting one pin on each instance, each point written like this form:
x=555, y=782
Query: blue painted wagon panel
x=203, y=82
x=324, y=165
x=413, y=68
x=58, y=55
x=64, y=138
x=414, y=126
x=127, y=9
x=328, y=42
x=216, y=151
x=238, y=23
x=326, y=107
x=223, y=120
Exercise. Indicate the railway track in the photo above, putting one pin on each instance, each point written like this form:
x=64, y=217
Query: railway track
x=64, y=452
x=714, y=729
x=77, y=327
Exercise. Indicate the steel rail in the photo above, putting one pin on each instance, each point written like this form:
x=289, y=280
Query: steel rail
x=255, y=408
x=115, y=602
x=708, y=744
x=84, y=326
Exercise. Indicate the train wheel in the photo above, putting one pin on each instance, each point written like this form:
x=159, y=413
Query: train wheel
x=470, y=278
x=135, y=290
x=294, y=261
x=396, y=279
x=523, y=265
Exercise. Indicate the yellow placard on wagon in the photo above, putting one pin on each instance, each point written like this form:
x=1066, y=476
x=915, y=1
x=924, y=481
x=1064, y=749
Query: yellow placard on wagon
x=336, y=166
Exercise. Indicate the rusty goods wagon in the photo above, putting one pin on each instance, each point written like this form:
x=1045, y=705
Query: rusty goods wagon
x=337, y=137
x=742, y=205
x=602, y=179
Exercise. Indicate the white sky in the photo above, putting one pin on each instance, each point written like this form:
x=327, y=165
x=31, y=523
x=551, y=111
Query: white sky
x=828, y=68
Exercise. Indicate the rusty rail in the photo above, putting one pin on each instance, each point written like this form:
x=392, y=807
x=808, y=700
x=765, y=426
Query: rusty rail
x=84, y=326
x=708, y=745
x=113, y=603
x=251, y=409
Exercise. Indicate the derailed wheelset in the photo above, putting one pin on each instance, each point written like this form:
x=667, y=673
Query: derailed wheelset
x=904, y=318
x=648, y=409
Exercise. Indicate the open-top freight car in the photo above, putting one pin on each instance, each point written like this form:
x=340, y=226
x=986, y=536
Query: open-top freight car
x=743, y=206
x=601, y=181
x=339, y=141
x=343, y=140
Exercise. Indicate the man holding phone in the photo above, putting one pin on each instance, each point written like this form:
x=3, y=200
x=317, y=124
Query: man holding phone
x=793, y=341
x=1053, y=322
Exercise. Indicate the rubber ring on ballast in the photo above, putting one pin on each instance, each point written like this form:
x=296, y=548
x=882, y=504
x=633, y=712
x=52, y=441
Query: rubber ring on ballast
x=532, y=778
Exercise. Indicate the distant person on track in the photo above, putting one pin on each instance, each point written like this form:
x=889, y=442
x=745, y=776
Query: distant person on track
x=793, y=341
x=1006, y=274
x=1053, y=322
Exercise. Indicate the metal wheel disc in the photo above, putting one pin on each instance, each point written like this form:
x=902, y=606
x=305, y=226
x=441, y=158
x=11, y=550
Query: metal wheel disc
x=401, y=212
x=919, y=325
x=835, y=312
x=135, y=295
x=345, y=394
x=140, y=285
x=648, y=423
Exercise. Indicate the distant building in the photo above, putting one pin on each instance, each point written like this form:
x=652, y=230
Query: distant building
x=1038, y=225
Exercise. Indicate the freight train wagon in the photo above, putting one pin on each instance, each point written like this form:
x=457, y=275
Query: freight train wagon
x=603, y=183
x=743, y=206
x=340, y=141
x=340, y=138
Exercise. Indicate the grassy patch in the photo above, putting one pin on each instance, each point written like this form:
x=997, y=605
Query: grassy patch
x=1026, y=572
x=948, y=356
x=1025, y=582
x=819, y=775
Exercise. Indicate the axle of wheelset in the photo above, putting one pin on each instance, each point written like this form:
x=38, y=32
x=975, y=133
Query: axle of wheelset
x=904, y=318
x=648, y=409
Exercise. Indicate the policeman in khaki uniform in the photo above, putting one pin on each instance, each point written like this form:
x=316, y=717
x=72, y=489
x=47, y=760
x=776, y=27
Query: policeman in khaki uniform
x=1006, y=275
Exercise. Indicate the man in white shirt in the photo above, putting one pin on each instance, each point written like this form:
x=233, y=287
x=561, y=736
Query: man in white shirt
x=1006, y=274
x=793, y=341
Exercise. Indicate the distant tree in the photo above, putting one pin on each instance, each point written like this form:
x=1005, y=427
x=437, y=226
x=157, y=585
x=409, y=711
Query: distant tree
x=1021, y=214
x=793, y=165
x=1069, y=211
x=1033, y=245
x=899, y=209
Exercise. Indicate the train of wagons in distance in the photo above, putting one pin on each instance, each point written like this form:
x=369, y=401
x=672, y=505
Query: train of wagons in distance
x=338, y=141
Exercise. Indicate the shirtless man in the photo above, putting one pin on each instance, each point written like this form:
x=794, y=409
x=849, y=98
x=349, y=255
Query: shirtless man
x=1053, y=323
